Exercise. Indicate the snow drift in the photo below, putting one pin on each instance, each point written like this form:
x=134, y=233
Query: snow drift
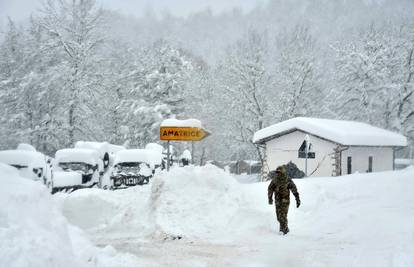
x=193, y=202
x=34, y=233
x=355, y=220
x=196, y=202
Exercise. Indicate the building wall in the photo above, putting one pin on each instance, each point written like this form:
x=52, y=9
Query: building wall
x=283, y=149
x=382, y=159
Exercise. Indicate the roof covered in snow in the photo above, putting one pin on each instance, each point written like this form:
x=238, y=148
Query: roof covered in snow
x=101, y=147
x=193, y=123
x=155, y=146
x=151, y=157
x=22, y=158
x=88, y=156
x=349, y=133
x=26, y=147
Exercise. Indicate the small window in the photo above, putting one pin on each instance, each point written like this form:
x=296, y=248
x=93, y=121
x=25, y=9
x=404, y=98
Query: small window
x=349, y=165
x=370, y=159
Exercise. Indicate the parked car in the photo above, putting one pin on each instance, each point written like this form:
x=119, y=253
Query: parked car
x=134, y=167
x=76, y=168
x=105, y=150
x=161, y=164
x=31, y=164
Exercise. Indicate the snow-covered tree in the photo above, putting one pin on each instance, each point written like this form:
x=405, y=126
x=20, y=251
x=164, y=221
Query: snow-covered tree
x=296, y=73
x=73, y=27
x=244, y=87
x=159, y=78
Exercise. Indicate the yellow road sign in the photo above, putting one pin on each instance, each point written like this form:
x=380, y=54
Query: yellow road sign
x=182, y=134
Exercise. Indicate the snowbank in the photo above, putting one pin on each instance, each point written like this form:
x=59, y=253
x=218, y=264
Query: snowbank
x=66, y=179
x=112, y=214
x=350, y=133
x=354, y=220
x=193, y=202
x=196, y=202
x=34, y=233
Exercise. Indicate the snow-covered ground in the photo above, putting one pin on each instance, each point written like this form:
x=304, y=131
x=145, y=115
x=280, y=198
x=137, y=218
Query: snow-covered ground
x=201, y=216
x=34, y=233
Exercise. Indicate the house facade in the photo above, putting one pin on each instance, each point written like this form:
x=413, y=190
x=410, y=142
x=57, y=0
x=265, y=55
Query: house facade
x=333, y=147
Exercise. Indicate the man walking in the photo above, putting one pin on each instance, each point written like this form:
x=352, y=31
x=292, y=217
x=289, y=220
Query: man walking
x=280, y=186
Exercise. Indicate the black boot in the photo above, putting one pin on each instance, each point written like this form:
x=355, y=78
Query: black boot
x=285, y=230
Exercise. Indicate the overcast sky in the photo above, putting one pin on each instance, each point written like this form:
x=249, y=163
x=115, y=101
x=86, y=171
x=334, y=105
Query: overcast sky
x=21, y=9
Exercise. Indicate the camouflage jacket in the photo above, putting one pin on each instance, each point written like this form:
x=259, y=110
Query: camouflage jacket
x=281, y=190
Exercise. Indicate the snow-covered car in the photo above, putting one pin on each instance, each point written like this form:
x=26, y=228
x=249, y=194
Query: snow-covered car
x=31, y=164
x=134, y=167
x=158, y=149
x=105, y=151
x=76, y=168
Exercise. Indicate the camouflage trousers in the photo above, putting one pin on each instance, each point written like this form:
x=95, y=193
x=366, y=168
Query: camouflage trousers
x=281, y=214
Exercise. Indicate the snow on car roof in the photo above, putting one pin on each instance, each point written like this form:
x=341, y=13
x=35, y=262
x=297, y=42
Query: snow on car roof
x=112, y=149
x=343, y=132
x=101, y=147
x=88, y=156
x=151, y=157
x=155, y=146
x=26, y=147
x=22, y=158
x=194, y=123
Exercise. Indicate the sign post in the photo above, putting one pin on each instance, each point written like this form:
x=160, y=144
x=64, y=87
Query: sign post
x=307, y=141
x=181, y=133
x=168, y=155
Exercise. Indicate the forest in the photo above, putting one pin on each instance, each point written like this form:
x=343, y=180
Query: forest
x=75, y=71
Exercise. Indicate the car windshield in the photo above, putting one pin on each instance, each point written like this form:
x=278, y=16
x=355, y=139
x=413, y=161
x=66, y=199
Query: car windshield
x=128, y=164
x=75, y=166
x=17, y=166
x=127, y=167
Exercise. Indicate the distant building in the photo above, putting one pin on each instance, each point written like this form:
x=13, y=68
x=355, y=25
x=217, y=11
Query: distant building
x=335, y=147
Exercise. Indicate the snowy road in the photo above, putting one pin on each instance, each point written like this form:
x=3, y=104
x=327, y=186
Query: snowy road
x=358, y=220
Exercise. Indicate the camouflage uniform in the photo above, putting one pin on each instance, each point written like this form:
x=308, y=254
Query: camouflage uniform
x=280, y=186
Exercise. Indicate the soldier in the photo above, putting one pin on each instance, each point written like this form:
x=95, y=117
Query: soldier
x=280, y=186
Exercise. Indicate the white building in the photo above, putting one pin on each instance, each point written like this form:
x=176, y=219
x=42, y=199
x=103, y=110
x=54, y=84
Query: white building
x=336, y=147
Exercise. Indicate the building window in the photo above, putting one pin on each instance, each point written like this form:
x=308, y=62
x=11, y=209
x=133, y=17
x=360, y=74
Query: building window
x=370, y=164
x=349, y=165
